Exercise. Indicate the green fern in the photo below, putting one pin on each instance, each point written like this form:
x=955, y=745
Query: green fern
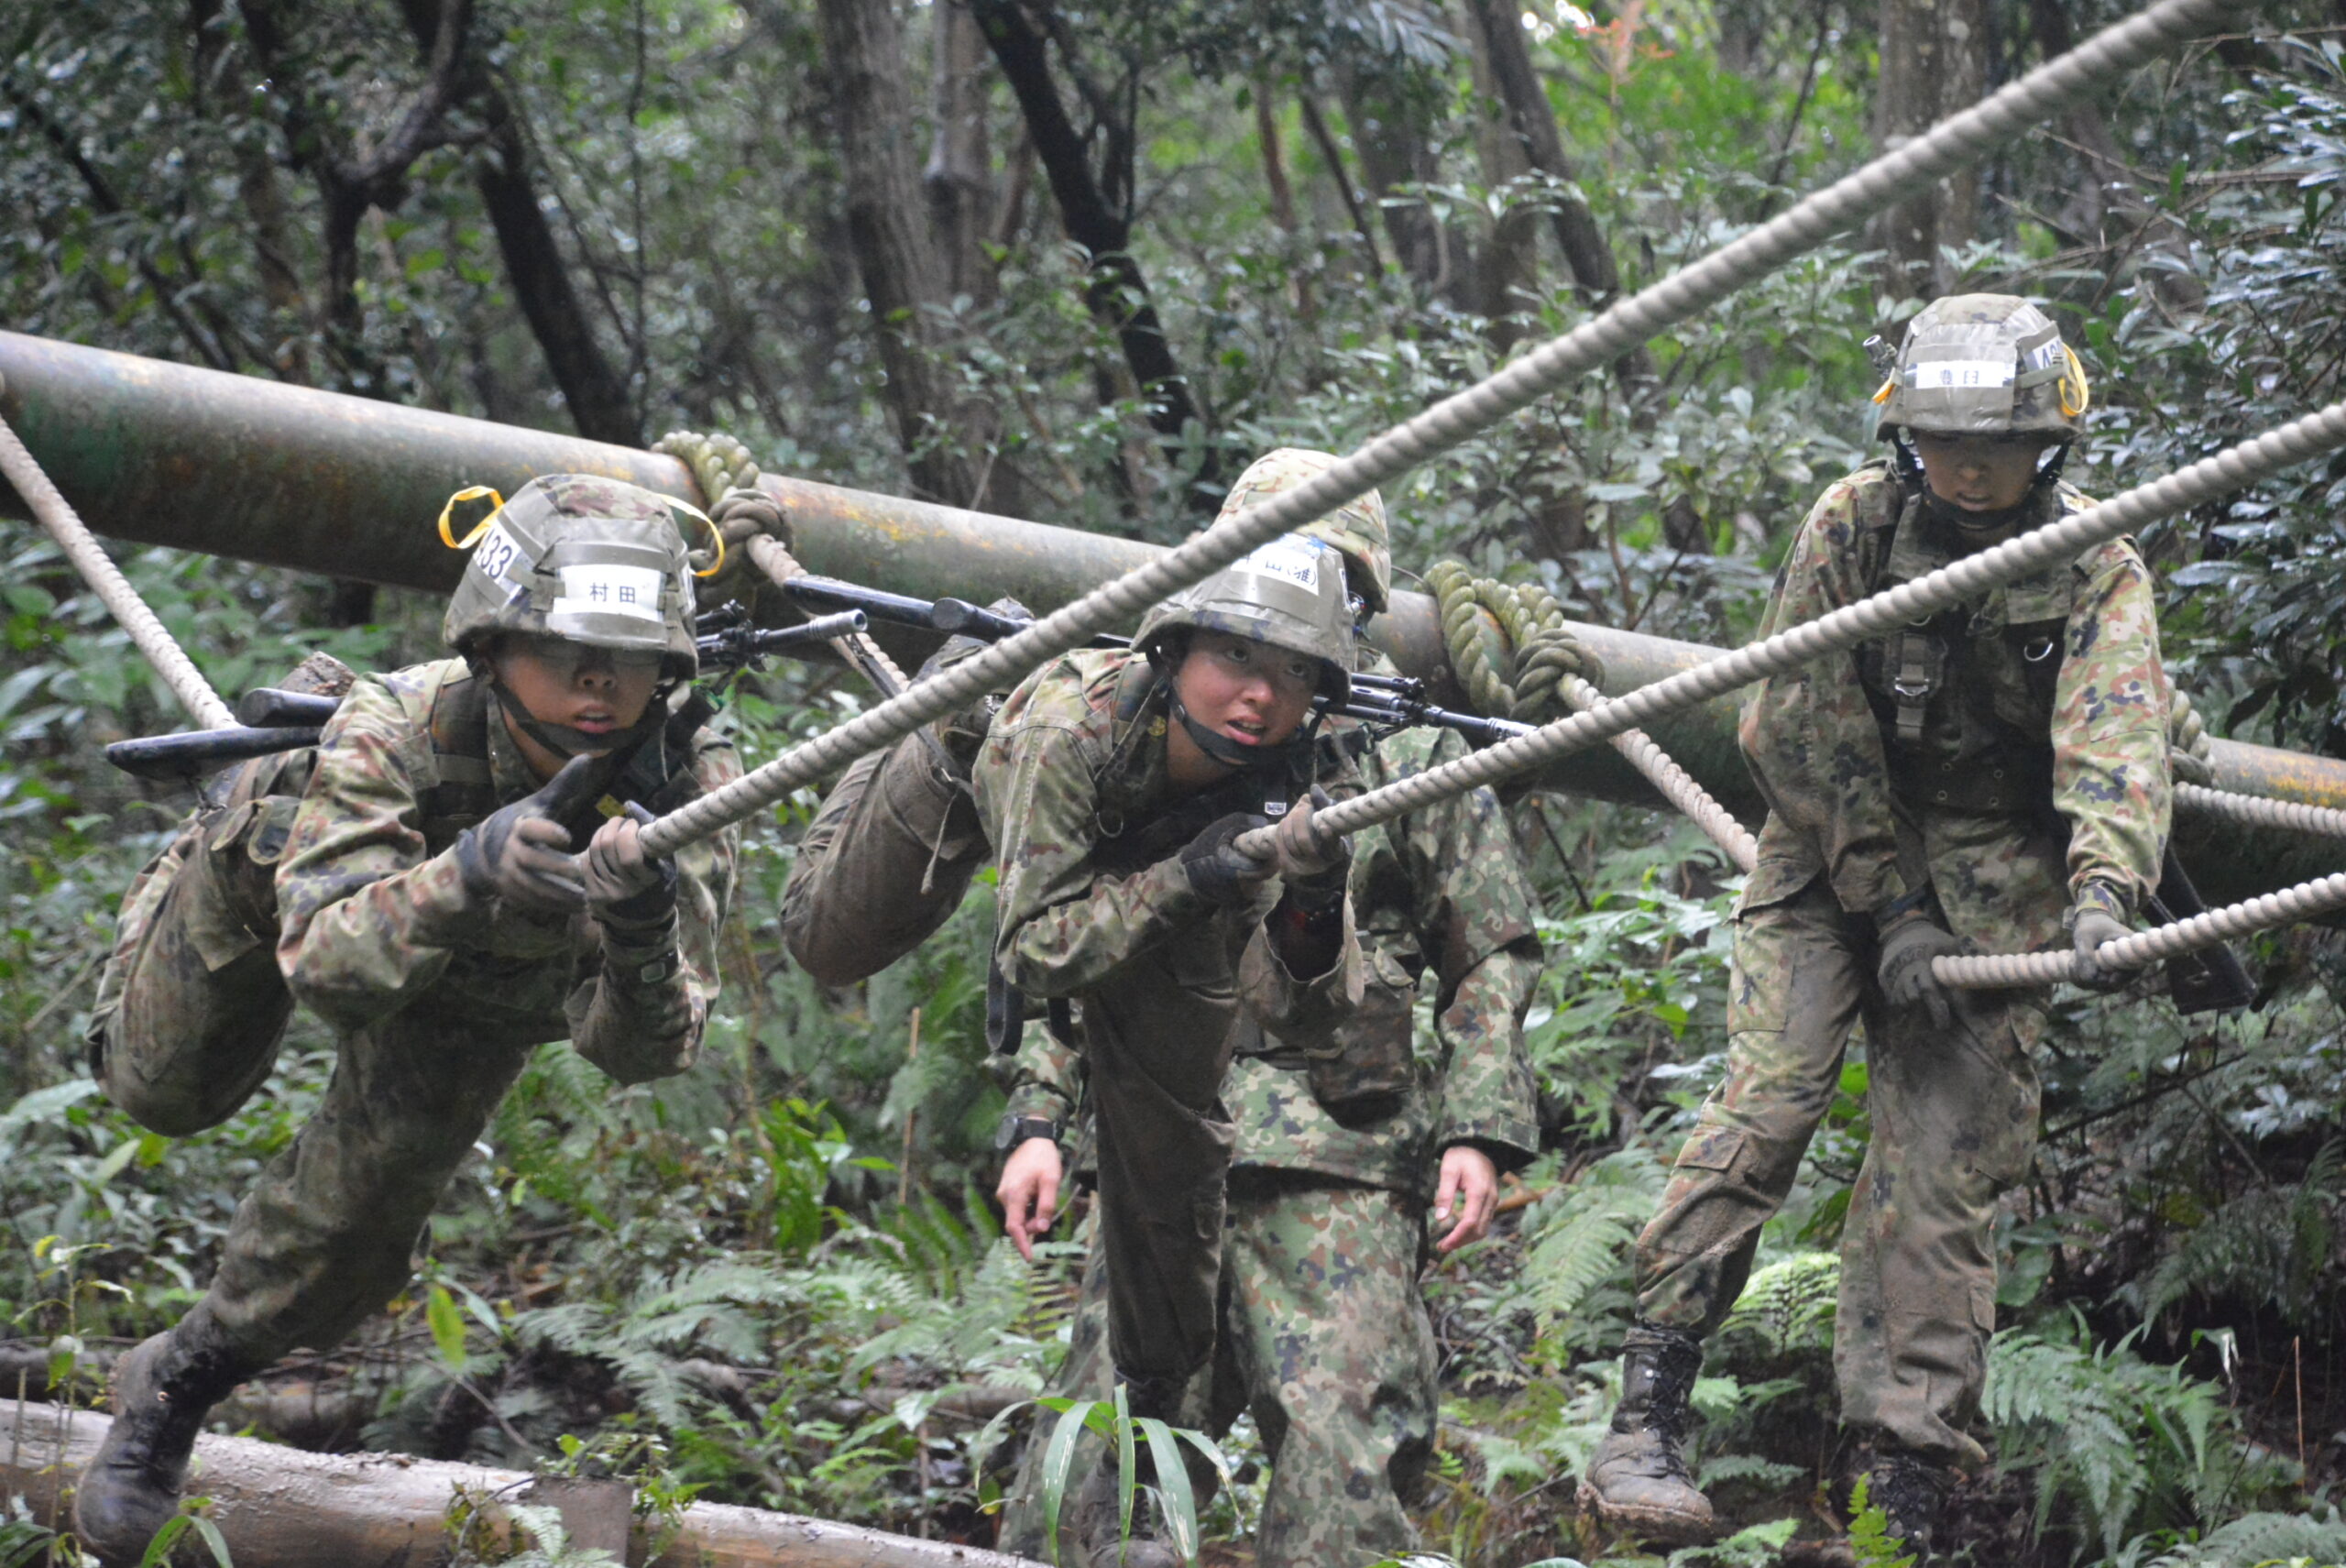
x=1870, y=1542
x=2255, y=1540
x=1787, y=1307
x=2123, y=1441
x=1581, y=1242
x=2270, y=1246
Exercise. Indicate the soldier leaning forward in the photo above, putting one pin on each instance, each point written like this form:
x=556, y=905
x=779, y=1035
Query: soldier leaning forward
x=427, y=905
x=1957, y=784
x=1323, y=1335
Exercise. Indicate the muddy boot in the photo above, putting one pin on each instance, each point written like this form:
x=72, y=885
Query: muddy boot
x=1637, y=1480
x=162, y=1390
x=1098, y=1528
x=1911, y=1489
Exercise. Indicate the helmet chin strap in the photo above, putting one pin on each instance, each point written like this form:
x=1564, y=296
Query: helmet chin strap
x=566, y=741
x=1234, y=753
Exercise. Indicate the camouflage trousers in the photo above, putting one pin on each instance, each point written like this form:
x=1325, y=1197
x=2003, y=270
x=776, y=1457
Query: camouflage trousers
x=1954, y=1118
x=1324, y=1338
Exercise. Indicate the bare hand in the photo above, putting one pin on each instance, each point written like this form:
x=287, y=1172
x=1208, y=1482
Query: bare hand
x=1029, y=1192
x=1469, y=1182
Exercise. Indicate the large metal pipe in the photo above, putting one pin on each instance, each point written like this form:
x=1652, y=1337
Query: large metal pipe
x=257, y=470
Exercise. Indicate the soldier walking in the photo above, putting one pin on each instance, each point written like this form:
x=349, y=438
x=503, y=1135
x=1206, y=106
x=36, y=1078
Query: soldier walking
x=425, y=904
x=1994, y=779
x=1323, y=1332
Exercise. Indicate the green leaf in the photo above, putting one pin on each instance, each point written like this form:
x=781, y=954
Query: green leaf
x=448, y=1320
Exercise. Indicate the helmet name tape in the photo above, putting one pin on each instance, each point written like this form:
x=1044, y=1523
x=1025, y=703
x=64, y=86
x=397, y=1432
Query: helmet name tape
x=599, y=588
x=1291, y=557
x=1961, y=373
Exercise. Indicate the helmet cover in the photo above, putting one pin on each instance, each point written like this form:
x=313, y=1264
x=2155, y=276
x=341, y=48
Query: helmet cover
x=1984, y=365
x=1357, y=529
x=1288, y=594
x=593, y=561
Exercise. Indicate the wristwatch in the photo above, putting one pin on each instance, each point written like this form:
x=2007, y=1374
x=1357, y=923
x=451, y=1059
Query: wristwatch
x=1017, y=1130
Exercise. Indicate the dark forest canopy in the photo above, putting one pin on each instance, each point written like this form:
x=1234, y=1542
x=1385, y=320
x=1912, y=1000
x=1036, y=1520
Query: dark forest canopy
x=1080, y=263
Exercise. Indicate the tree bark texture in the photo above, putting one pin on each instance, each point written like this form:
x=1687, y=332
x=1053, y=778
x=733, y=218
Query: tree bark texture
x=1510, y=262
x=1934, y=63
x=279, y=1507
x=1096, y=209
x=958, y=180
x=863, y=44
x=1395, y=150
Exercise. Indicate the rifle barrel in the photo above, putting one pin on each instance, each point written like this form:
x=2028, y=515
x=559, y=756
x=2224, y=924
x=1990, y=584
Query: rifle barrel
x=191, y=755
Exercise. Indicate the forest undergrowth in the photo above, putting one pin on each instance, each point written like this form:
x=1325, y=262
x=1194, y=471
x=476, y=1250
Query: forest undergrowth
x=777, y=1280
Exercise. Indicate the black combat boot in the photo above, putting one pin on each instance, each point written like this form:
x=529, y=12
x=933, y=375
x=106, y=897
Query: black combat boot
x=1637, y=1480
x=1097, y=1521
x=162, y=1390
x=1911, y=1489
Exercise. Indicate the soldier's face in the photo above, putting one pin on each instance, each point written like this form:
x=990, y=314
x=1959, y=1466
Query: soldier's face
x=1980, y=473
x=1255, y=694
x=560, y=681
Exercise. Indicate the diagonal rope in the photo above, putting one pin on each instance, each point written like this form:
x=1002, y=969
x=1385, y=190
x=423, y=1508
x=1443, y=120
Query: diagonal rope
x=1597, y=342
x=113, y=590
x=2055, y=543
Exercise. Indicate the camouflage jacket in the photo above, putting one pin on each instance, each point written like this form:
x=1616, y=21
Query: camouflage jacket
x=2053, y=700
x=375, y=918
x=1069, y=784
x=1438, y=891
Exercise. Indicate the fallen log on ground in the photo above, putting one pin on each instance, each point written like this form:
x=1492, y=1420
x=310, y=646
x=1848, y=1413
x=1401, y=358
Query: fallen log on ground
x=279, y=1508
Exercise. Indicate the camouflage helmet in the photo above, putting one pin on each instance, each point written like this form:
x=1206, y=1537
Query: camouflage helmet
x=1288, y=594
x=1984, y=365
x=1356, y=529
x=589, y=560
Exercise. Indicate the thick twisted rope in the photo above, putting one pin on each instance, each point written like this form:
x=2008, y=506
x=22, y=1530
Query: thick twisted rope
x=2257, y=811
x=2055, y=543
x=1997, y=971
x=728, y=476
x=1597, y=341
x=1546, y=661
x=113, y=590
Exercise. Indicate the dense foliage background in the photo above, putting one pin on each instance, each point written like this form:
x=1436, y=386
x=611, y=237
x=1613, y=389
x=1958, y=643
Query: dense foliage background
x=1077, y=259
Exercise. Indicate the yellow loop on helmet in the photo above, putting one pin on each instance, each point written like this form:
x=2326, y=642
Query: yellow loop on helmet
x=469, y=493
x=714, y=533
x=2076, y=372
x=1887, y=387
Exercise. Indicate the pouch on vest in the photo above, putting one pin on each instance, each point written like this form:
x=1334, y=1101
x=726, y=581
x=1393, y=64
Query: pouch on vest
x=1371, y=1064
x=191, y=1005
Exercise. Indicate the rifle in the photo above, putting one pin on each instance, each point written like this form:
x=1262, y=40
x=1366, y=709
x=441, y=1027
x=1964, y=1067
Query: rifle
x=269, y=719
x=1397, y=702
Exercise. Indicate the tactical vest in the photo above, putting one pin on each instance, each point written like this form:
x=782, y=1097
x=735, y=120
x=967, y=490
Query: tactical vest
x=1965, y=699
x=227, y=850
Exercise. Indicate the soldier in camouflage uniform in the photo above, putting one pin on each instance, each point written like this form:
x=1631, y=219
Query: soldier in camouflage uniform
x=1323, y=1335
x=429, y=908
x=1957, y=785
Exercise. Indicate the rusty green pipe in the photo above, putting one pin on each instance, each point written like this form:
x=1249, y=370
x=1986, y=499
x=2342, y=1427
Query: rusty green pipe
x=236, y=465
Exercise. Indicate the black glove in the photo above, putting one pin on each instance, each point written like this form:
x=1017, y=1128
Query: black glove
x=2090, y=928
x=521, y=852
x=627, y=889
x=1220, y=872
x=1907, y=949
x=1314, y=865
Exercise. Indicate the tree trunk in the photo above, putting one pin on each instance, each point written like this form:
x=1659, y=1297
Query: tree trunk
x=957, y=181
x=1596, y=277
x=1117, y=292
x=1396, y=151
x=278, y=1508
x=1934, y=63
x=863, y=45
x=2112, y=209
x=1510, y=254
